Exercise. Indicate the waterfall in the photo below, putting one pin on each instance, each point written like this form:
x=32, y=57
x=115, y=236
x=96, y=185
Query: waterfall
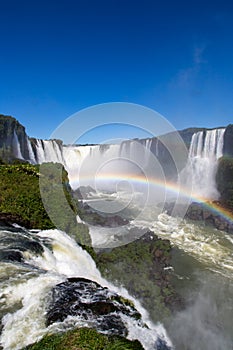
x=110, y=164
x=32, y=158
x=104, y=162
x=205, y=149
x=48, y=151
x=24, y=296
x=16, y=147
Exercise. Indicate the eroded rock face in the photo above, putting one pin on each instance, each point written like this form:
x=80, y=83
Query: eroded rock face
x=97, y=305
x=198, y=211
x=228, y=141
x=11, y=133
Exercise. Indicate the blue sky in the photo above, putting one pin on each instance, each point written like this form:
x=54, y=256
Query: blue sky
x=58, y=57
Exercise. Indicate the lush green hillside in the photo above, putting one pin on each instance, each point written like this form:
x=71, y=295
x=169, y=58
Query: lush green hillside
x=84, y=339
x=140, y=267
x=21, y=186
x=20, y=195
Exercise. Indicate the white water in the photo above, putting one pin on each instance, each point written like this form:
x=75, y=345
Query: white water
x=26, y=323
x=48, y=151
x=67, y=259
x=93, y=163
x=16, y=146
x=205, y=150
x=104, y=166
x=32, y=158
x=209, y=246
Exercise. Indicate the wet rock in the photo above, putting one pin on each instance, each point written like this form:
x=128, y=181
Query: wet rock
x=198, y=211
x=83, y=192
x=91, y=302
x=11, y=255
x=161, y=345
x=7, y=219
x=96, y=219
x=21, y=242
x=206, y=214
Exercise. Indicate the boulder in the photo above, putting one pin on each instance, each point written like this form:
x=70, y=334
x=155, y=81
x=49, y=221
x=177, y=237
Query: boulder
x=92, y=303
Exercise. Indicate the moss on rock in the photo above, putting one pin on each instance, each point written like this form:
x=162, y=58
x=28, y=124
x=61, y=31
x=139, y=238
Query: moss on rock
x=20, y=195
x=40, y=197
x=84, y=339
x=139, y=267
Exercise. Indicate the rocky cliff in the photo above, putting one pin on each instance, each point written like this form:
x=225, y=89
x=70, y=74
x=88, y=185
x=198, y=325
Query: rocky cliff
x=13, y=139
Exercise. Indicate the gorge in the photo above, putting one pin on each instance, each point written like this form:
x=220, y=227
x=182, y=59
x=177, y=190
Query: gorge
x=163, y=251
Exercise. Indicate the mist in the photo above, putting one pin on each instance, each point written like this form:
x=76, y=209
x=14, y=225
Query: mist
x=206, y=323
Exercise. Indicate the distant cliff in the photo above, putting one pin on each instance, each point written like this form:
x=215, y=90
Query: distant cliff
x=228, y=141
x=13, y=139
x=16, y=145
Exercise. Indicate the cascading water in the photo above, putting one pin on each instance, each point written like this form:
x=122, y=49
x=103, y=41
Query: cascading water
x=205, y=149
x=16, y=147
x=32, y=158
x=87, y=165
x=28, y=276
x=48, y=151
x=32, y=264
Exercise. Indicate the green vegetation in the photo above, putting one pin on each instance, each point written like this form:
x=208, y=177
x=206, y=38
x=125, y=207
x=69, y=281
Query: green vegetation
x=139, y=267
x=84, y=339
x=26, y=190
x=224, y=179
x=20, y=194
x=58, y=202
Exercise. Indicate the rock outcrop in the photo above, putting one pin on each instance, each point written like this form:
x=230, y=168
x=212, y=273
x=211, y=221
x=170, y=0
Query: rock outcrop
x=143, y=268
x=228, y=141
x=13, y=139
x=200, y=212
x=91, y=302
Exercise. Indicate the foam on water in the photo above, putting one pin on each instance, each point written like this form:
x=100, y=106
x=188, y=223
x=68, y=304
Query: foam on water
x=27, y=324
x=28, y=298
x=208, y=245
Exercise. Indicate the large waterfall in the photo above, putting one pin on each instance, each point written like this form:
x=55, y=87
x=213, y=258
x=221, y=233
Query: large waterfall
x=205, y=149
x=94, y=161
x=129, y=159
x=35, y=265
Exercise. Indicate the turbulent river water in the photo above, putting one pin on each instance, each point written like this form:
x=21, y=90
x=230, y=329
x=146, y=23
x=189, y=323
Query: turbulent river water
x=202, y=267
x=32, y=262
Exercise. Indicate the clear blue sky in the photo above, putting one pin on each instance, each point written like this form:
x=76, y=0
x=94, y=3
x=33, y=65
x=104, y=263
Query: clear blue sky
x=58, y=57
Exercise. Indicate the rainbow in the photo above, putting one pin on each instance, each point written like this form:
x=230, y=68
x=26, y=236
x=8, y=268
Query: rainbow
x=175, y=188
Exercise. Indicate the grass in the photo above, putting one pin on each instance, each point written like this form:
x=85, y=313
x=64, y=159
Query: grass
x=84, y=339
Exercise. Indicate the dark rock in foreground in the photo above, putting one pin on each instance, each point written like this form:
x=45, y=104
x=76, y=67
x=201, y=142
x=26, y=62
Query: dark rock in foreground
x=91, y=302
x=7, y=219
